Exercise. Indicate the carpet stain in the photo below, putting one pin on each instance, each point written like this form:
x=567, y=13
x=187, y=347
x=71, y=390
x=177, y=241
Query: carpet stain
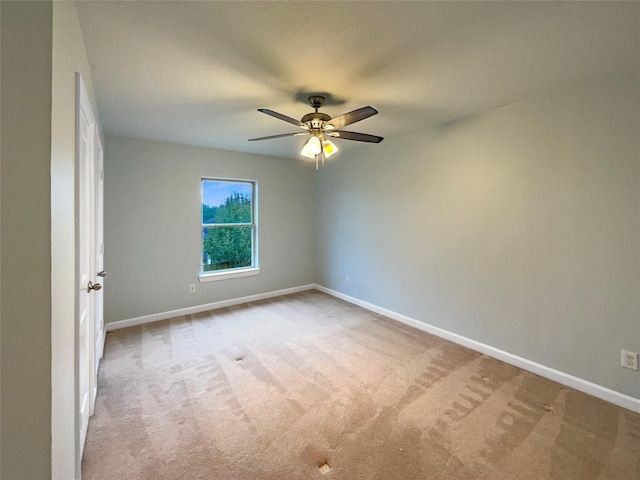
x=253, y=365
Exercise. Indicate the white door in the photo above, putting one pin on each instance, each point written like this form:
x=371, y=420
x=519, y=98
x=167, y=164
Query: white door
x=86, y=260
x=98, y=339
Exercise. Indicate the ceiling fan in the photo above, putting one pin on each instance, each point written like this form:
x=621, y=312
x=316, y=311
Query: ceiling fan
x=321, y=128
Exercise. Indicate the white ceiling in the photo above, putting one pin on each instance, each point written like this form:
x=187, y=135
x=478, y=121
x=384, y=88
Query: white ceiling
x=195, y=72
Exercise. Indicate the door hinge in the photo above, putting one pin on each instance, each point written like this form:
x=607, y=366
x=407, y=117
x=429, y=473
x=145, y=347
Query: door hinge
x=102, y=249
x=101, y=174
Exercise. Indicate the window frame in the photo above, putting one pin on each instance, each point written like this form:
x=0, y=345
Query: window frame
x=236, y=272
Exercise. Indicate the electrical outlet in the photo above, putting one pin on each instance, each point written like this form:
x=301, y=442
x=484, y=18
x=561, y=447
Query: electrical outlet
x=346, y=279
x=629, y=359
x=192, y=288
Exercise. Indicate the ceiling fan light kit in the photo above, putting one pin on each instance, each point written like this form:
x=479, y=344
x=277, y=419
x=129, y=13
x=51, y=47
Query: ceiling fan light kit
x=314, y=146
x=329, y=148
x=319, y=126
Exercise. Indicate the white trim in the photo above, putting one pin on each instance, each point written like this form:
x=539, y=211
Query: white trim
x=227, y=274
x=576, y=383
x=103, y=342
x=203, y=308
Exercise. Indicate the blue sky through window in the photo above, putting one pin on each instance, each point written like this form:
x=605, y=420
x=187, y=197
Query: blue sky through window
x=215, y=192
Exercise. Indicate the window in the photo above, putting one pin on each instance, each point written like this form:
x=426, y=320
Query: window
x=228, y=229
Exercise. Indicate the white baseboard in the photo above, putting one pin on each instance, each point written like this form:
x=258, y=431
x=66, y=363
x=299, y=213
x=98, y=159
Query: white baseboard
x=155, y=317
x=576, y=383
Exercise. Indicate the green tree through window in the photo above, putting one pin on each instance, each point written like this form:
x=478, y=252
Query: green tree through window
x=228, y=226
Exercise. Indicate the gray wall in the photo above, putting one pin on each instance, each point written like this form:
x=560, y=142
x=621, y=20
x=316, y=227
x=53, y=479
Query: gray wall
x=152, y=225
x=25, y=259
x=518, y=228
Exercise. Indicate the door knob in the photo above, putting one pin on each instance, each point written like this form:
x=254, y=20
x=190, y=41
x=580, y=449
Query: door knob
x=93, y=286
x=102, y=274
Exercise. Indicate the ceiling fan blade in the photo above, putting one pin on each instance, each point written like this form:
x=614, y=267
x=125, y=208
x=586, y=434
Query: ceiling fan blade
x=358, y=137
x=283, y=118
x=352, y=117
x=282, y=135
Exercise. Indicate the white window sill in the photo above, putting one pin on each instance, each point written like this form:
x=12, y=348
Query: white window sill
x=225, y=275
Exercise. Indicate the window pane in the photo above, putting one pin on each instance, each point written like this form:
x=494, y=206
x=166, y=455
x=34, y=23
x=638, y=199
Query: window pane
x=226, y=247
x=226, y=202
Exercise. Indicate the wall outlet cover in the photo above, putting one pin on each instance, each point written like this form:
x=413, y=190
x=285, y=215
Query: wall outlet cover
x=629, y=359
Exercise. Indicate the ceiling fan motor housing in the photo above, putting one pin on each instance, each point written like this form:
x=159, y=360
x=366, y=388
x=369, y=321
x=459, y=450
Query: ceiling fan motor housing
x=315, y=119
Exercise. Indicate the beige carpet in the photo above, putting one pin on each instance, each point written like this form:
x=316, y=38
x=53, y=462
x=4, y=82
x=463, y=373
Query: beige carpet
x=309, y=387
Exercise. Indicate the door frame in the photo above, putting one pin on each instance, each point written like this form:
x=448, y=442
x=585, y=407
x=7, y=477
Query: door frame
x=98, y=337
